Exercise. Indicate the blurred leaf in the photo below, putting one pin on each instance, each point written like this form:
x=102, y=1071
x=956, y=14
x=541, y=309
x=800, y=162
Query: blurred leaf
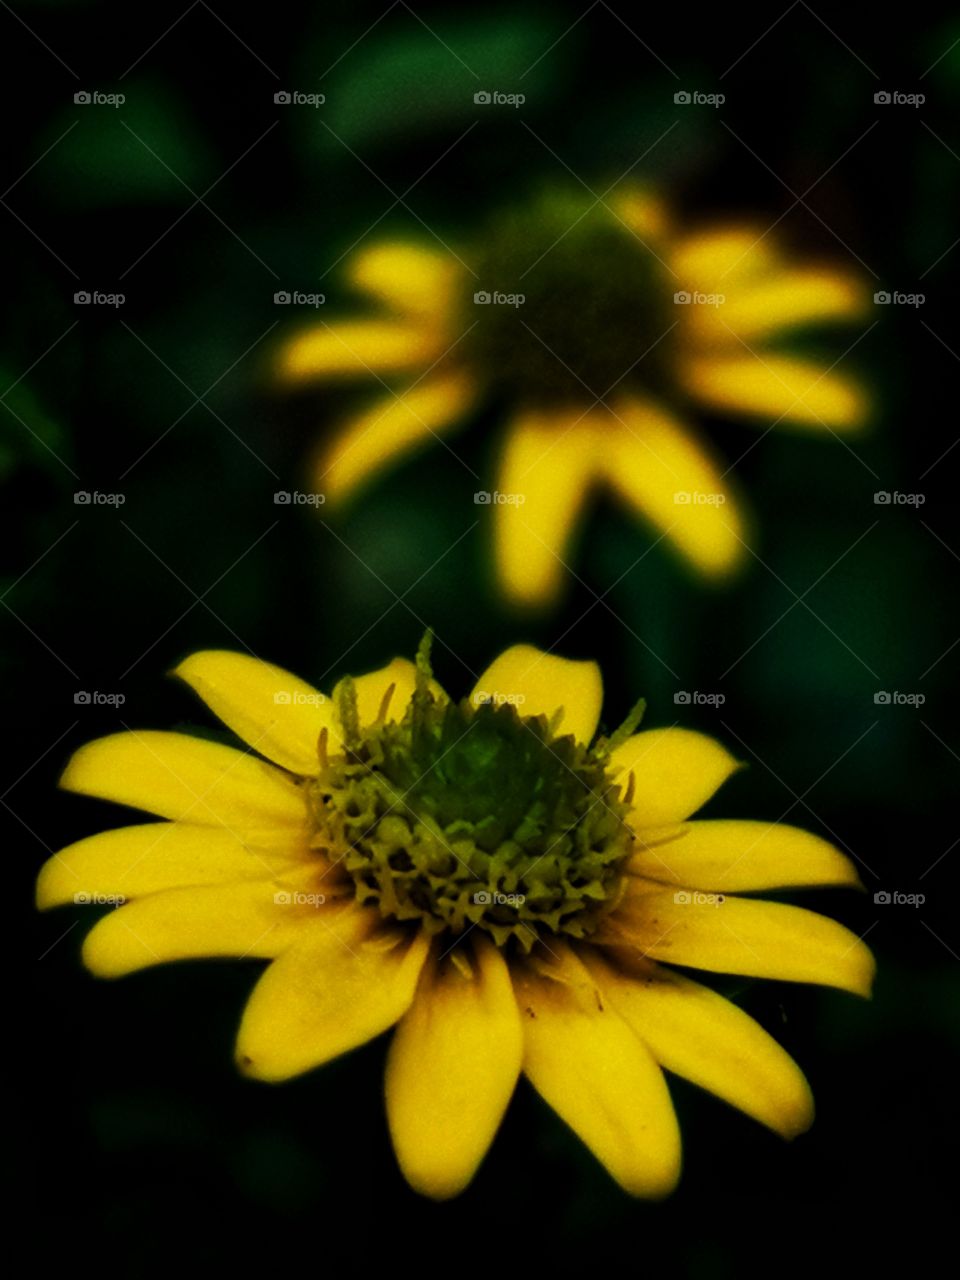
x=944, y=52
x=28, y=435
x=413, y=81
x=143, y=150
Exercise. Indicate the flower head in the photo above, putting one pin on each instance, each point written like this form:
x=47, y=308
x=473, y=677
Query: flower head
x=595, y=330
x=489, y=877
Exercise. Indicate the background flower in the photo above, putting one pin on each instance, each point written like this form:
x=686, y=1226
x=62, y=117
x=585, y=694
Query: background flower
x=599, y=333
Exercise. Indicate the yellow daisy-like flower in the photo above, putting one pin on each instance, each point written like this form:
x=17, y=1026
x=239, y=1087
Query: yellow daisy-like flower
x=484, y=875
x=596, y=331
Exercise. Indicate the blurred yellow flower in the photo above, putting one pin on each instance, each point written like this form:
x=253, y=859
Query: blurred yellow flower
x=476, y=874
x=595, y=331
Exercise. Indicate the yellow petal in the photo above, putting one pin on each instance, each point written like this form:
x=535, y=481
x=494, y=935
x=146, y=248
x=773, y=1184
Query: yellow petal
x=713, y=261
x=452, y=1067
x=699, y=1035
x=539, y=683
x=785, y=300
x=249, y=918
x=734, y=856
x=599, y=1077
x=355, y=348
x=737, y=935
x=776, y=387
x=390, y=429
x=664, y=474
x=332, y=991
x=548, y=465
x=186, y=778
x=133, y=861
x=675, y=771
x=273, y=711
x=408, y=278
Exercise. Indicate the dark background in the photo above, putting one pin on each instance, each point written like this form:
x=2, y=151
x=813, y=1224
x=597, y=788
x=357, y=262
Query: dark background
x=148, y=1147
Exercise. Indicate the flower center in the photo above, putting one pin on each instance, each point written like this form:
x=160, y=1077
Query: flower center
x=462, y=814
x=567, y=303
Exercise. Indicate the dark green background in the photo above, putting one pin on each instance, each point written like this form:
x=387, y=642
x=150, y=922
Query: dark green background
x=149, y=1149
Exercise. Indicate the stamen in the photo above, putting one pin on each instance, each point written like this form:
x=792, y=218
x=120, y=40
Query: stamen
x=345, y=695
x=385, y=705
x=461, y=816
x=605, y=746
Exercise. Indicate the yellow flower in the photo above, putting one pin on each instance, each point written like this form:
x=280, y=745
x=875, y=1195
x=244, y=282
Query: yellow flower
x=476, y=874
x=627, y=325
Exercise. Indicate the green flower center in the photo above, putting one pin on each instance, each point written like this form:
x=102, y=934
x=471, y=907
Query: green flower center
x=462, y=814
x=595, y=311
